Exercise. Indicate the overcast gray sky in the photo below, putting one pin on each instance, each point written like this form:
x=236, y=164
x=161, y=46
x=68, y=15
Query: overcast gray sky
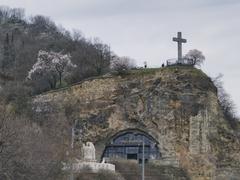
x=143, y=29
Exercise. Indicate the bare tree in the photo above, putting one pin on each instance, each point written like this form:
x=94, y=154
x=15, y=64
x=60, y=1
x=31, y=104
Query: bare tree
x=10, y=142
x=102, y=56
x=28, y=151
x=122, y=64
x=42, y=24
x=226, y=103
x=196, y=56
x=14, y=15
x=76, y=35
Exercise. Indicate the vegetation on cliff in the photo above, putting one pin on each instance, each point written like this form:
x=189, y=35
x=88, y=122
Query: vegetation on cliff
x=35, y=130
x=23, y=37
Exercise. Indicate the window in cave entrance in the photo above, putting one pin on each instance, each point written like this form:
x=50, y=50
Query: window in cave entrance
x=128, y=144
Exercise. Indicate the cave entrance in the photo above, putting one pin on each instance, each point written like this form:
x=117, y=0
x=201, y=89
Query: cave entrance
x=128, y=144
x=132, y=156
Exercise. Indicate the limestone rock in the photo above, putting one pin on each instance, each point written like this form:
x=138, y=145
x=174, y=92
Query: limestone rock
x=178, y=106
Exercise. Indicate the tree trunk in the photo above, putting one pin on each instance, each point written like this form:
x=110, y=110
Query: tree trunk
x=60, y=79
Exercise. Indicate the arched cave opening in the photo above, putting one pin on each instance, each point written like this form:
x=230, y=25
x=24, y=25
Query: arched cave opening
x=129, y=144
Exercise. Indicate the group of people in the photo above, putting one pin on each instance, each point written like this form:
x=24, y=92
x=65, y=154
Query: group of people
x=145, y=65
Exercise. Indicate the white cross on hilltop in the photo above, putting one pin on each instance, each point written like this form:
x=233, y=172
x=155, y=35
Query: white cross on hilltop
x=179, y=40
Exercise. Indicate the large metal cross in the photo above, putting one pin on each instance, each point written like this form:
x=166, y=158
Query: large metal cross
x=179, y=40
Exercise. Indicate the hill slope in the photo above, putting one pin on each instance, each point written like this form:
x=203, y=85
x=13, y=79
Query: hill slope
x=178, y=106
x=21, y=38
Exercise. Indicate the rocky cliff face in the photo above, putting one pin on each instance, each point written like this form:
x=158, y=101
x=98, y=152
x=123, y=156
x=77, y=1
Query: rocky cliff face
x=178, y=106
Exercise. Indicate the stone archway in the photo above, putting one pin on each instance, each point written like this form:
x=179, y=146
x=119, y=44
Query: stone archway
x=127, y=144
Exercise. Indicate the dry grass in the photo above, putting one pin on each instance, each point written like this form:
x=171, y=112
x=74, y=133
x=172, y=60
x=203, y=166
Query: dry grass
x=102, y=175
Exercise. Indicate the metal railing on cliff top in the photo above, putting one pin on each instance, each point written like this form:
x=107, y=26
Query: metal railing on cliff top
x=183, y=61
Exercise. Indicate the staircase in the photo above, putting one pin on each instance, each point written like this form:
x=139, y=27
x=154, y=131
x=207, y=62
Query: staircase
x=131, y=170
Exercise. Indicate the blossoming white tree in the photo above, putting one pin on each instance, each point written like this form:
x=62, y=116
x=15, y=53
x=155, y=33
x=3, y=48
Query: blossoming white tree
x=51, y=65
